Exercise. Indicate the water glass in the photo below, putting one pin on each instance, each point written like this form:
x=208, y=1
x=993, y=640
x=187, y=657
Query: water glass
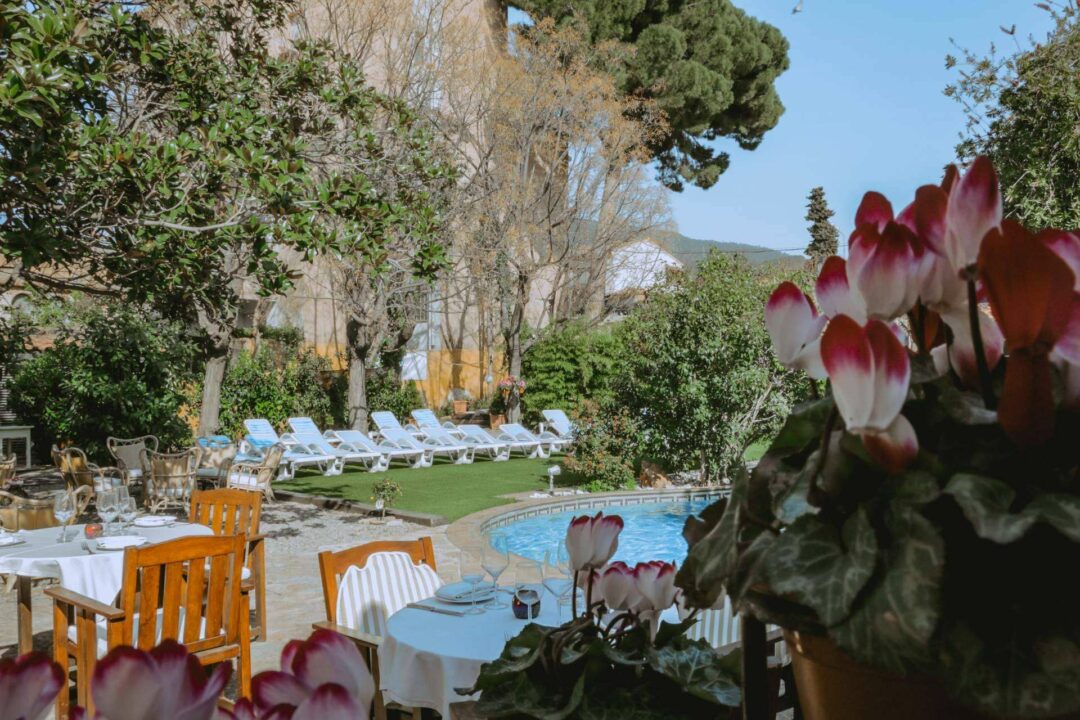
x=555, y=581
x=129, y=509
x=495, y=560
x=473, y=574
x=107, y=508
x=63, y=511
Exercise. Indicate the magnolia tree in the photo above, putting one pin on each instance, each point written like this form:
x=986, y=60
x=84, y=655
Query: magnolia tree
x=614, y=657
x=922, y=513
x=321, y=678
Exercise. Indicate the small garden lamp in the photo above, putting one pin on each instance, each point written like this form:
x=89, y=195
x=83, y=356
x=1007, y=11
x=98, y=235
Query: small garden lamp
x=552, y=472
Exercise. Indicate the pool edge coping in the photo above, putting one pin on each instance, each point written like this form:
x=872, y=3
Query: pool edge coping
x=467, y=533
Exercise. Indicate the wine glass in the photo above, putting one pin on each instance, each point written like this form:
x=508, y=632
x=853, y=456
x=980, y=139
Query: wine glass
x=63, y=510
x=107, y=508
x=473, y=574
x=554, y=580
x=495, y=560
x=129, y=509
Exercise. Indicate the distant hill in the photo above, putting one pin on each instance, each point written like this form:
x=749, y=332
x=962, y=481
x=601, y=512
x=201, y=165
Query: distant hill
x=691, y=251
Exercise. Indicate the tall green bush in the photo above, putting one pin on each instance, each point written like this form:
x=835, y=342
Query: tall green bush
x=607, y=449
x=697, y=369
x=276, y=383
x=567, y=366
x=110, y=370
x=386, y=392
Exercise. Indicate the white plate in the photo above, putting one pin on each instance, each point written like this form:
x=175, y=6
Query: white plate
x=119, y=542
x=152, y=521
x=458, y=593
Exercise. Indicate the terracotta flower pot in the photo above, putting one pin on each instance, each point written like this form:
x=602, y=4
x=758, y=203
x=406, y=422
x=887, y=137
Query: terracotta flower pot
x=461, y=407
x=832, y=686
x=496, y=420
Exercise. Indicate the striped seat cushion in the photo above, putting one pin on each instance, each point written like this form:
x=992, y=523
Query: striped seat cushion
x=716, y=626
x=389, y=581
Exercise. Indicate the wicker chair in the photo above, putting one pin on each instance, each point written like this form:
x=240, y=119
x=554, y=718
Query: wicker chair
x=78, y=471
x=218, y=453
x=171, y=478
x=257, y=476
x=7, y=471
x=128, y=453
x=33, y=513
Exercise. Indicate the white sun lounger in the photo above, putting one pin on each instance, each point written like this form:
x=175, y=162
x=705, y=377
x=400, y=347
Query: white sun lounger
x=461, y=454
x=528, y=448
x=518, y=432
x=490, y=447
x=386, y=420
x=358, y=442
x=559, y=423
x=425, y=420
x=261, y=436
x=346, y=453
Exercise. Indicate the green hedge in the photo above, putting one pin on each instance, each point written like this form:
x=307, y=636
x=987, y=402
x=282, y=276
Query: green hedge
x=567, y=366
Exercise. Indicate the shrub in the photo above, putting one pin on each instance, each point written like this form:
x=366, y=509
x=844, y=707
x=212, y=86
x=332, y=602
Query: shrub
x=111, y=370
x=386, y=392
x=697, y=368
x=607, y=449
x=276, y=386
x=568, y=365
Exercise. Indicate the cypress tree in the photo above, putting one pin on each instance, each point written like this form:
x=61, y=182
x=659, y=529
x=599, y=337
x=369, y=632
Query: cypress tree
x=824, y=237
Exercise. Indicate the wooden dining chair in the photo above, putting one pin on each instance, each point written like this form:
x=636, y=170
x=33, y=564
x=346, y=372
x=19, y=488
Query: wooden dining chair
x=188, y=588
x=364, y=585
x=237, y=512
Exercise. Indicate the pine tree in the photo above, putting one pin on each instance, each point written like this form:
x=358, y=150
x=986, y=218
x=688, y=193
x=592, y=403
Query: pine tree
x=824, y=236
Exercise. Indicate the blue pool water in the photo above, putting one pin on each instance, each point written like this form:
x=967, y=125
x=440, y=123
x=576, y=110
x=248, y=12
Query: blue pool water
x=650, y=531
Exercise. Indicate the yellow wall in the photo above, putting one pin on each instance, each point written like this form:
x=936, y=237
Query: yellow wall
x=448, y=369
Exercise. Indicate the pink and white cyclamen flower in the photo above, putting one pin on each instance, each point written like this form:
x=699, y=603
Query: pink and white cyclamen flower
x=592, y=541
x=28, y=686
x=870, y=373
x=795, y=326
x=321, y=678
x=974, y=210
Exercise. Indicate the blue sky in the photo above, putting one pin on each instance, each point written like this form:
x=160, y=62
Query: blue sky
x=865, y=110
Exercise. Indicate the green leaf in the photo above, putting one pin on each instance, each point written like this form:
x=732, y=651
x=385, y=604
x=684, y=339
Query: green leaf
x=821, y=566
x=711, y=560
x=892, y=622
x=519, y=696
x=804, y=426
x=966, y=408
x=697, y=668
x=986, y=503
x=1061, y=511
x=618, y=705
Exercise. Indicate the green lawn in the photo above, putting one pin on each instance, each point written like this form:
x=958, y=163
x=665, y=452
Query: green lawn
x=452, y=491
x=755, y=451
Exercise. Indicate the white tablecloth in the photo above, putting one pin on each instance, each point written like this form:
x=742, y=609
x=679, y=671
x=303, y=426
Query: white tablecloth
x=425, y=656
x=97, y=574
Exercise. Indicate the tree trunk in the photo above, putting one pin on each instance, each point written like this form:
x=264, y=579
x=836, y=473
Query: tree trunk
x=213, y=376
x=358, y=401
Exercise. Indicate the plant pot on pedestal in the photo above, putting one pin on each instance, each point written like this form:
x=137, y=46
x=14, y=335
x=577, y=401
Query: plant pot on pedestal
x=496, y=420
x=461, y=407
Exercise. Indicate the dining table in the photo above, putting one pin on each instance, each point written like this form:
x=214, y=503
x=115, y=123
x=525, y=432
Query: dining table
x=427, y=655
x=77, y=564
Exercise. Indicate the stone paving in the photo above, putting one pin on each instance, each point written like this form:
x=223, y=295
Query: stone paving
x=296, y=533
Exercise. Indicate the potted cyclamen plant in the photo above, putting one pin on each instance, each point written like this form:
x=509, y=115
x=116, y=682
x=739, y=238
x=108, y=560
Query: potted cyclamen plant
x=614, y=658
x=916, y=529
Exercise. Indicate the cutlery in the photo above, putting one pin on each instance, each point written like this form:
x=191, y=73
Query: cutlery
x=429, y=608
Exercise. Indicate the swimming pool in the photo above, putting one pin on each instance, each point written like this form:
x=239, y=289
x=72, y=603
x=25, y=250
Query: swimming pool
x=651, y=531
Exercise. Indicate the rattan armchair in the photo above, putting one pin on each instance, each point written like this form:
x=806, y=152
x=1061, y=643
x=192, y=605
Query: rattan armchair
x=33, y=513
x=171, y=478
x=257, y=476
x=129, y=455
x=7, y=471
x=77, y=471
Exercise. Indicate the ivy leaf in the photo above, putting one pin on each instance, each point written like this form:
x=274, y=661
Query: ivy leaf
x=891, y=625
x=697, y=668
x=986, y=503
x=520, y=653
x=822, y=567
x=966, y=408
x=712, y=558
x=519, y=696
x=618, y=705
x=804, y=426
x=1061, y=511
